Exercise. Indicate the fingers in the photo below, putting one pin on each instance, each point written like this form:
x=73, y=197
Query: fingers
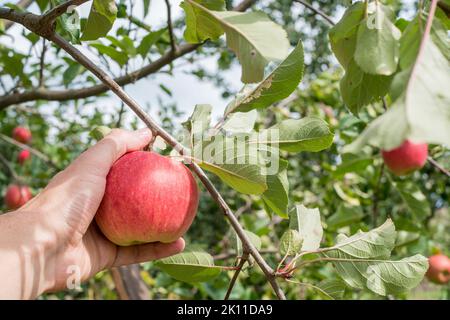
x=99, y=158
x=147, y=252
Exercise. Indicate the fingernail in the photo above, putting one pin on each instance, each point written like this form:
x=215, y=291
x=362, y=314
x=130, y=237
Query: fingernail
x=144, y=133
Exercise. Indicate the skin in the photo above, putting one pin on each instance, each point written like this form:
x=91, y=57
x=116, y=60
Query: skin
x=407, y=158
x=53, y=234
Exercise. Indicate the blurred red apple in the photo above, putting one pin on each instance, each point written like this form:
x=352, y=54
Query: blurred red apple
x=23, y=156
x=148, y=198
x=406, y=158
x=439, y=270
x=17, y=195
x=21, y=134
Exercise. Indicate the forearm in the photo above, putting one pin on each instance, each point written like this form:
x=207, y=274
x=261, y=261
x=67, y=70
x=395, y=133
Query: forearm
x=25, y=250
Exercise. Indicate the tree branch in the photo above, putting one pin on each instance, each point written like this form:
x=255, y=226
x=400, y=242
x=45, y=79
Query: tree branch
x=170, y=27
x=37, y=153
x=436, y=164
x=242, y=261
x=50, y=16
x=21, y=4
x=317, y=11
x=128, y=283
x=9, y=168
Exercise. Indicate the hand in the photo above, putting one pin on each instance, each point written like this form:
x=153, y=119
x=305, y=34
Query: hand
x=54, y=234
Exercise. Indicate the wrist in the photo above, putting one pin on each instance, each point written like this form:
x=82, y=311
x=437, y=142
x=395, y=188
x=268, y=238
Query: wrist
x=28, y=247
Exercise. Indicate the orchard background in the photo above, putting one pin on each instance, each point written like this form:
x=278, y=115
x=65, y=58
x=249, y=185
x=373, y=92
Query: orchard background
x=357, y=90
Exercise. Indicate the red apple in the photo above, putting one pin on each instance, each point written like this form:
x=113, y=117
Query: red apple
x=22, y=134
x=23, y=156
x=148, y=198
x=17, y=195
x=406, y=158
x=439, y=270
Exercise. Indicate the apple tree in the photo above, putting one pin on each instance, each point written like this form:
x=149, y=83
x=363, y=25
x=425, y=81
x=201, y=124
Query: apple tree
x=299, y=197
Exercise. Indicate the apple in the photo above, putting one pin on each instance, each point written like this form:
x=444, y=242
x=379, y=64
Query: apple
x=148, y=198
x=407, y=158
x=23, y=156
x=439, y=270
x=21, y=134
x=17, y=195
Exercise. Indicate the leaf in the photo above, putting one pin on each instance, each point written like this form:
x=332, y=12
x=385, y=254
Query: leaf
x=343, y=34
x=191, y=265
x=198, y=123
x=146, y=7
x=421, y=110
x=360, y=261
x=252, y=36
x=306, y=134
x=276, y=196
x=241, y=122
x=290, y=242
x=359, y=89
x=234, y=161
x=332, y=289
x=118, y=56
x=101, y=19
x=70, y=23
x=148, y=41
x=377, y=45
x=236, y=242
x=352, y=163
x=279, y=84
x=344, y=216
x=200, y=24
x=414, y=199
x=71, y=73
x=307, y=222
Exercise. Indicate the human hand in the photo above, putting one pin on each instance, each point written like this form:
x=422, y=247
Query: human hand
x=54, y=233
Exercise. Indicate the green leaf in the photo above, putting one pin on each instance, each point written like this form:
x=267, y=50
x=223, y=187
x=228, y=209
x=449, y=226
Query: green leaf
x=236, y=242
x=71, y=73
x=343, y=34
x=345, y=216
x=198, y=123
x=101, y=19
x=359, y=89
x=420, y=113
x=276, y=196
x=69, y=22
x=200, y=25
x=146, y=4
x=234, y=161
x=352, y=163
x=191, y=265
x=148, y=41
x=414, y=199
x=307, y=223
x=240, y=122
x=306, y=134
x=279, y=84
x=332, y=289
x=118, y=56
x=290, y=242
x=377, y=45
x=252, y=36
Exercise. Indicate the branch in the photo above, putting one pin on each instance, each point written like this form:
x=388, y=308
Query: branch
x=170, y=26
x=37, y=153
x=436, y=164
x=243, y=260
x=232, y=254
x=375, y=196
x=128, y=283
x=317, y=11
x=50, y=17
x=42, y=64
x=9, y=168
x=21, y=4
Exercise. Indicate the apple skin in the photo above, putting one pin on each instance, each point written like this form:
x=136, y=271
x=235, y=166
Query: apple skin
x=148, y=198
x=22, y=134
x=439, y=270
x=23, y=156
x=406, y=158
x=17, y=195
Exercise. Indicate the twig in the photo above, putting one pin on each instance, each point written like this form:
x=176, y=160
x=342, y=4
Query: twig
x=375, y=196
x=8, y=167
x=317, y=11
x=128, y=283
x=37, y=153
x=232, y=254
x=436, y=164
x=242, y=261
x=49, y=17
x=42, y=64
x=23, y=4
x=170, y=26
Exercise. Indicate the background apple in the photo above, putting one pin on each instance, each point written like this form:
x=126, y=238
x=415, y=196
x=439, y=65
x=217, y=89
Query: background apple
x=148, y=198
x=439, y=270
x=23, y=156
x=22, y=134
x=17, y=195
x=406, y=158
